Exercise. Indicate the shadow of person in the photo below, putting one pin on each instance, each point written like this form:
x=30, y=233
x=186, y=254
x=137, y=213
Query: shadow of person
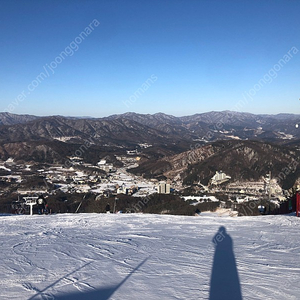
x=224, y=282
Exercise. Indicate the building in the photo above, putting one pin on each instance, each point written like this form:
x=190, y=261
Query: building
x=164, y=188
x=103, y=165
x=219, y=178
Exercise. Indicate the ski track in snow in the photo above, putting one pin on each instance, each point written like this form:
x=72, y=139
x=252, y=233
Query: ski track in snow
x=140, y=256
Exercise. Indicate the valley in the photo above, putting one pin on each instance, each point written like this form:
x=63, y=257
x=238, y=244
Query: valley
x=227, y=155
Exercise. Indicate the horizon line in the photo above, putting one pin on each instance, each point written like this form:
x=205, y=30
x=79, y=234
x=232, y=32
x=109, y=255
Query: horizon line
x=145, y=114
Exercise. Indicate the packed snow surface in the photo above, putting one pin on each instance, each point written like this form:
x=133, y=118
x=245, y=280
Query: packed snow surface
x=139, y=256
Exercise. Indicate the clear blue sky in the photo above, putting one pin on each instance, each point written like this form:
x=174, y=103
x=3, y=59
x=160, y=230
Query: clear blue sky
x=203, y=55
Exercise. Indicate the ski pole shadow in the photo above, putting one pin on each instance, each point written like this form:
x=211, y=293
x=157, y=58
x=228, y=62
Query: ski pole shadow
x=98, y=294
x=224, y=282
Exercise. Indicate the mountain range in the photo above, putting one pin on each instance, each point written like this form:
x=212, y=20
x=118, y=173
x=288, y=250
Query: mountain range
x=136, y=128
x=167, y=145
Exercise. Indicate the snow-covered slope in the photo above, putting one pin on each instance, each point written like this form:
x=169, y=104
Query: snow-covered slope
x=106, y=256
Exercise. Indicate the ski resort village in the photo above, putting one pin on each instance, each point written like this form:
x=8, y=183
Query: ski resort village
x=75, y=179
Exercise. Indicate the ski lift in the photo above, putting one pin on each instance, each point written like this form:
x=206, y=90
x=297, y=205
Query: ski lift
x=30, y=201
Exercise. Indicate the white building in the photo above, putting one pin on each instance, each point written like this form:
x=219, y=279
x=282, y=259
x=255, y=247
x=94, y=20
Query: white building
x=164, y=188
x=102, y=162
x=10, y=162
x=103, y=165
x=219, y=178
